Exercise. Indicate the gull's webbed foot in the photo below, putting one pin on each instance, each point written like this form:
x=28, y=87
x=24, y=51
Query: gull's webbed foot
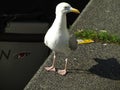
x=50, y=68
x=62, y=72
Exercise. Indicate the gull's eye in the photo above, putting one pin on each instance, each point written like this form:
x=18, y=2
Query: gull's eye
x=66, y=8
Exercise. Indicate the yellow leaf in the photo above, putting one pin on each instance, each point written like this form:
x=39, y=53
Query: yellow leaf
x=85, y=41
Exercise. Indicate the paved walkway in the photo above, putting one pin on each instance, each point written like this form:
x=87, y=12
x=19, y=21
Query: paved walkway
x=92, y=66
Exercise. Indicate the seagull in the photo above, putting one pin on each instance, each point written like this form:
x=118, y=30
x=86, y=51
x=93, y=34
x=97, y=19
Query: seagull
x=57, y=37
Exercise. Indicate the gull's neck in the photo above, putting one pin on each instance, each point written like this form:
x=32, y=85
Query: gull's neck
x=60, y=21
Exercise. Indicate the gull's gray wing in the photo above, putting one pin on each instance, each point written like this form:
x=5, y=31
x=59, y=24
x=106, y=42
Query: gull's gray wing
x=73, y=43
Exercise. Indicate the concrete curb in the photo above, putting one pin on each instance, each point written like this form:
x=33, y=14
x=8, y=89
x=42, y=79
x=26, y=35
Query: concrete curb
x=93, y=66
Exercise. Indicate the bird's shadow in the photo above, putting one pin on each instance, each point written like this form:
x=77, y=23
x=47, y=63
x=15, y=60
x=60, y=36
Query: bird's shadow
x=107, y=68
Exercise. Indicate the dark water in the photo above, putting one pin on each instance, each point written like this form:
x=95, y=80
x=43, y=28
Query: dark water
x=19, y=61
x=22, y=51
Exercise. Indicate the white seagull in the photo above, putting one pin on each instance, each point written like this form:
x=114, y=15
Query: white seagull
x=57, y=37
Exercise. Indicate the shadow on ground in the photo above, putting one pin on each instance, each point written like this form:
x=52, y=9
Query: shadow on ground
x=109, y=68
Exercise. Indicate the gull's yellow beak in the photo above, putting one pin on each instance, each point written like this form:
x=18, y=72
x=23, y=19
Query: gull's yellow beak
x=75, y=10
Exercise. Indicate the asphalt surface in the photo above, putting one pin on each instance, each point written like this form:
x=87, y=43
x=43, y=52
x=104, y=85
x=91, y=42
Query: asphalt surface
x=100, y=14
x=94, y=66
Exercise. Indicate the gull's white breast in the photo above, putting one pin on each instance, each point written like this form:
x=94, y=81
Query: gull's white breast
x=57, y=40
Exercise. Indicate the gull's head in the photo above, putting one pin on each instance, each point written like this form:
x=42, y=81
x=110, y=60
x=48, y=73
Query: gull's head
x=65, y=8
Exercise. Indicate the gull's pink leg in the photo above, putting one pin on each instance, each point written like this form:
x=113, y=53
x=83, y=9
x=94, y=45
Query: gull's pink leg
x=64, y=71
x=52, y=68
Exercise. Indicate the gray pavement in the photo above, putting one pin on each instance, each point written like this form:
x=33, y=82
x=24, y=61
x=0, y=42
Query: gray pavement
x=92, y=66
x=100, y=14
